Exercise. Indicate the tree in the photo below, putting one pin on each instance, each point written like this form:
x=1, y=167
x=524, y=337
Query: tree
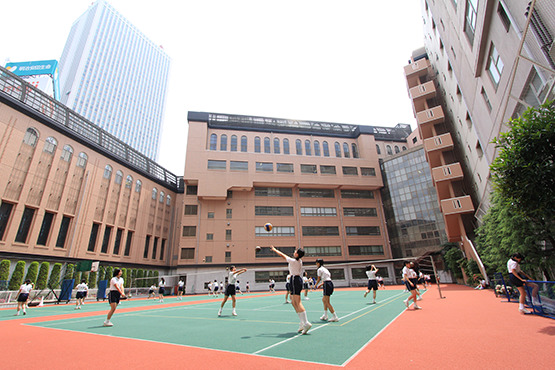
x=32, y=272
x=54, y=280
x=69, y=271
x=453, y=259
x=524, y=171
x=92, y=280
x=17, y=276
x=5, y=269
x=43, y=275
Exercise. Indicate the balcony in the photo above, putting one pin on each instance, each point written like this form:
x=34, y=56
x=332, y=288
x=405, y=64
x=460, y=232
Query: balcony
x=416, y=70
x=438, y=143
x=447, y=173
x=459, y=205
x=426, y=120
x=420, y=94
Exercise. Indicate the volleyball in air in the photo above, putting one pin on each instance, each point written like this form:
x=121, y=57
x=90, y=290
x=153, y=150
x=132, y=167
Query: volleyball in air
x=268, y=226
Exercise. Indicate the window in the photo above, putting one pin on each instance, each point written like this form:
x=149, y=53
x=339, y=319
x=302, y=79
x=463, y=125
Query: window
x=189, y=231
x=276, y=146
x=161, y=199
x=362, y=230
x=93, y=236
x=191, y=189
x=267, y=145
x=216, y=164
x=213, y=142
x=168, y=200
x=264, y=167
x=367, y=171
x=187, y=253
x=207, y=259
x=354, y=148
x=320, y=230
x=276, y=231
x=273, y=192
x=264, y=276
x=5, y=213
x=307, y=147
x=504, y=17
x=309, y=168
x=327, y=170
x=154, y=193
x=326, y=149
x=119, y=177
x=470, y=21
x=360, y=212
x=284, y=167
x=210, y=214
x=191, y=209
x=233, y=143
x=378, y=150
x=397, y=150
x=227, y=256
x=316, y=193
x=228, y=235
x=337, y=150
x=494, y=66
x=359, y=250
x=388, y=149
x=273, y=211
x=67, y=153
x=106, y=239
x=244, y=144
x=128, y=243
x=257, y=144
x=155, y=247
x=357, y=194
x=147, y=245
x=323, y=251
x=285, y=146
x=317, y=148
x=266, y=252
x=238, y=166
x=128, y=182
x=318, y=211
x=117, y=242
x=535, y=90
x=346, y=153
x=30, y=137
x=107, y=172
x=45, y=228
x=299, y=147
x=229, y=213
x=138, y=186
x=223, y=142
x=25, y=225
x=82, y=160
x=350, y=171
x=62, y=234
x=162, y=249
x=486, y=100
x=50, y=145
x=209, y=236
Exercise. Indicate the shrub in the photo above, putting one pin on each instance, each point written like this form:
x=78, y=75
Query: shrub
x=5, y=269
x=70, y=268
x=133, y=282
x=124, y=275
x=140, y=275
x=84, y=275
x=109, y=273
x=54, y=279
x=101, y=273
x=43, y=275
x=17, y=276
x=32, y=272
x=75, y=275
x=92, y=280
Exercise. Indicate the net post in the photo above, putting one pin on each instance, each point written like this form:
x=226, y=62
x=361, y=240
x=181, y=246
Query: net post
x=437, y=277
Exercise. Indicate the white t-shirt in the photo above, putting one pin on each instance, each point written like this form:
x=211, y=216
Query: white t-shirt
x=513, y=265
x=408, y=273
x=161, y=284
x=82, y=287
x=371, y=274
x=305, y=280
x=116, y=281
x=181, y=283
x=324, y=274
x=232, y=279
x=295, y=266
x=26, y=288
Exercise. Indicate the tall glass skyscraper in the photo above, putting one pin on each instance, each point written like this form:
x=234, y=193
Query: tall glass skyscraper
x=113, y=75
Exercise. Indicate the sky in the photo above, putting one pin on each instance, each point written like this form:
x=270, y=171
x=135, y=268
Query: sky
x=330, y=61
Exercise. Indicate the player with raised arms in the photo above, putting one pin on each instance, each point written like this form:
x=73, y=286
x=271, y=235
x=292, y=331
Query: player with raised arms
x=295, y=269
x=231, y=289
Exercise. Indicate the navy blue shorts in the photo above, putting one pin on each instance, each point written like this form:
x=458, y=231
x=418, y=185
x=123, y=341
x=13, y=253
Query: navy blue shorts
x=230, y=290
x=328, y=287
x=180, y=289
x=161, y=290
x=288, y=286
x=23, y=297
x=296, y=285
x=515, y=280
x=413, y=286
x=81, y=295
x=372, y=284
x=114, y=296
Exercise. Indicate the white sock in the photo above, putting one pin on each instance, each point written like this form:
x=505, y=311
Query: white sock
x=520, y=306
x=302, y=316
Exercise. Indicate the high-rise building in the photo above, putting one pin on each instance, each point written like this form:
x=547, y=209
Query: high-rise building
x=113, y=75
x=483, y=63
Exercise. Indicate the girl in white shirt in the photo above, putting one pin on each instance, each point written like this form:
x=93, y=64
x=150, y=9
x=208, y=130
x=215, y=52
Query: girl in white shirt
x=116, y=292
x=324, y=275
x=23, y=296
x=82, y=289
x=296, y=269
x=180, y=289
x=161, y=290
x=519, y=279
x=231, y=289
x=410, y=278
x=371, y=271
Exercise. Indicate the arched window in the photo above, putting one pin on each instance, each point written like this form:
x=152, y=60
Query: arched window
x=285, y=146
x=162, y=197
x=276, y=146
x=299, y=147
x=307, y=147
x=397, y=149
x=223, y=142
x=267, y=148
x=107, y=171
x=257, y=144
x=244, y=143
x=337, y=150
x=154, y=193
x=317, y=148
x=50, y=145
x=346, y=150
x=355, y=150
x=31, y=137
x=128, y=181
x=233, y=144
x=326, y=148
x=168, y=200
x=213, y=142
x=404, y=148
x=67, y=153
x=378, y=149
x=388, y=149
x=119, y=177
x=82, y=160
x=138, y=186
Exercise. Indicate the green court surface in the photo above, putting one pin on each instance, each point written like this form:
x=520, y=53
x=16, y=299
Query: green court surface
x=265, y=325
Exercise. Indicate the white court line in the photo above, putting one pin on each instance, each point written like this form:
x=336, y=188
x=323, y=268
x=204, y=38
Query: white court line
x=324, y=325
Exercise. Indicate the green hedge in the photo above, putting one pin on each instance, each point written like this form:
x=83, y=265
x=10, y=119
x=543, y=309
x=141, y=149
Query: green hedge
x=109, y=273
x=5, y=269
x=92, y=280
x=32, y=272
x=54, y=280
x=17, y=276
x=69, y=271
x=43, y=275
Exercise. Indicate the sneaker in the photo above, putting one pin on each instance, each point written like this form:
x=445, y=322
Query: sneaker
x=108, y=323
x=417, y=307
x=300, y=328
x=306, y=298
x=17, y=314
x=324, y=318
x=76, y=307
x=234, y=313
x=24, y=313
x=220, y=312
x=406, y=302
x=374, y=301
x=365, y=294
x=286, y=302
x=334, y=319
x=419, y=298
x=307, y=327
x=523, y=310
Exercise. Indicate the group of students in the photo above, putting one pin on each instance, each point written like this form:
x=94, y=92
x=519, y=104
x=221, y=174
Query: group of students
x=162, y=290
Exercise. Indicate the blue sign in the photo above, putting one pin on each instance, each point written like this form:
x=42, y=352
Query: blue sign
x=41, y=67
